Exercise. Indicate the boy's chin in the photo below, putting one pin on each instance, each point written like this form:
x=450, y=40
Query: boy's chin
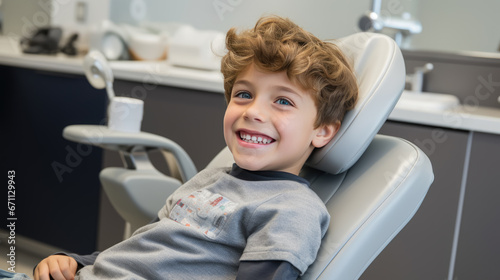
x=251, y=166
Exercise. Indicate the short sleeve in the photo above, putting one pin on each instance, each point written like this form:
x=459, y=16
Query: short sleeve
x=288, y=227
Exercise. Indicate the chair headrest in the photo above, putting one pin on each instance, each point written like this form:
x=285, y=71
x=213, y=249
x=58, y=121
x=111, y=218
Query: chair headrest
x=380, y=71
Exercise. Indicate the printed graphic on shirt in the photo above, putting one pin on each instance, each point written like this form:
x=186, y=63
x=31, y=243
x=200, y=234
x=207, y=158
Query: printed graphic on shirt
x=204, y=211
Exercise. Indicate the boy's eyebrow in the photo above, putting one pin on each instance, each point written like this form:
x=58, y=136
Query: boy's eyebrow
x=277, y=87
x=244, y=82
x=287, y=89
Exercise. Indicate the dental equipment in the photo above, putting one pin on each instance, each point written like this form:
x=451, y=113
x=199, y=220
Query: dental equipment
x=416, y=80
x=129, y=192
x=98, y=72
x=373, y=20
x=124, y=113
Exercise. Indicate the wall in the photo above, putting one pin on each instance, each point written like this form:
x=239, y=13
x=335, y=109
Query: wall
x=447, y=24
x=458, y=25
x=325, y=19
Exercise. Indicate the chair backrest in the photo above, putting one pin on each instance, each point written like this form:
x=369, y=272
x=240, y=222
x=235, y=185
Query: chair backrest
x=372, y=185
x=380, y=71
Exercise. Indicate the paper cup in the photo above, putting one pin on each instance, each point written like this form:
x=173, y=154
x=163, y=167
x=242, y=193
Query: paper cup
x=125, y=114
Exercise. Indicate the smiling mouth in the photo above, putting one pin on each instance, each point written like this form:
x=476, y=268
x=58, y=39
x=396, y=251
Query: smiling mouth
x=255, y=139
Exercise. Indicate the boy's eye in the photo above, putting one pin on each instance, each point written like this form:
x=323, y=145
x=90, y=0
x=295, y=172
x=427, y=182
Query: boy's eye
x=243, y=94
x=283, y=101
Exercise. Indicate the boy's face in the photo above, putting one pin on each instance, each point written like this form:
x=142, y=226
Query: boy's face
x=269, y=122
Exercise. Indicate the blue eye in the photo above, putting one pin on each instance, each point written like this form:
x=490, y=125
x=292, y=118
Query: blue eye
x=243, y=94
x=283, y=101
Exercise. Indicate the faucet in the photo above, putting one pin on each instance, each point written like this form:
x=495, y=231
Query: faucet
x=403, y=26
x=416, y=80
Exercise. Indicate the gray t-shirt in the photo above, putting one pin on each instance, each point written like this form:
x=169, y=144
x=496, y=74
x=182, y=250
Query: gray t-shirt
x=214, y=221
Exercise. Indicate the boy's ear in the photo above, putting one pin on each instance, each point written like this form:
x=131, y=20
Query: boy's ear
x=324, y=134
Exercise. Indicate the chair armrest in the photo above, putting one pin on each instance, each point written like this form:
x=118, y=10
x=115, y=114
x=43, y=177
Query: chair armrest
x=106, y=138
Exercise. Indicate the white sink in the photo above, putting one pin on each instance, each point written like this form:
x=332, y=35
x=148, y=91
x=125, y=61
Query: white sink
x=427, y=101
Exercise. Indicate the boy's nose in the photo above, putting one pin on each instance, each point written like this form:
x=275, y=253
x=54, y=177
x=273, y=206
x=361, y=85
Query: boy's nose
x=255, y=112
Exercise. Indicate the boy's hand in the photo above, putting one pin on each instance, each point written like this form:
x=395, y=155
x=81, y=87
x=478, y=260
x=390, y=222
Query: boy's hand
x=59, y=267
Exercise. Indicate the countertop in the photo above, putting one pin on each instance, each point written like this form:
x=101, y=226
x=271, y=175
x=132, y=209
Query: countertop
x=479, y=119
x=158, y=72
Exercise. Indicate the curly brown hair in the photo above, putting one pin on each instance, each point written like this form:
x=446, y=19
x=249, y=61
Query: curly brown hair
x=277, y=44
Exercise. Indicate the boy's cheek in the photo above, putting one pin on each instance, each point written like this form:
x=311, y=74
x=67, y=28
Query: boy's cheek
x=228, y=133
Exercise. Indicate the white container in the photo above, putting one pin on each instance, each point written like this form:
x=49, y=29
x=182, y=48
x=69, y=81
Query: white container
x=189, y=47
x=125, y=114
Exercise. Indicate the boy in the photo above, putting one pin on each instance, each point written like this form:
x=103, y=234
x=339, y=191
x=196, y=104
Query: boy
x=287, y=93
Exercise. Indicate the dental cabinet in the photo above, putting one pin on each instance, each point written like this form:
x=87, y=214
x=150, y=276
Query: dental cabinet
x=187, y=106
x=57, y=184
x=455, y=230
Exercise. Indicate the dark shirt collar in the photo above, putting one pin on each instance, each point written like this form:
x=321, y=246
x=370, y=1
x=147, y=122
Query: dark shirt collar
x=248, y=175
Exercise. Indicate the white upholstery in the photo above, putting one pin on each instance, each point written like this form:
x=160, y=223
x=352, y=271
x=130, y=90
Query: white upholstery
x=371, y=184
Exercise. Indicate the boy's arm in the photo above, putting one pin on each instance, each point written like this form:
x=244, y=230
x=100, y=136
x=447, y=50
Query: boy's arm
x=83, y=260
x=280, y=232
x=266, y=270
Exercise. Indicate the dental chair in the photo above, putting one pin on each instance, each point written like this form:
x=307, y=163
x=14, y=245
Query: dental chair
x=372, y=184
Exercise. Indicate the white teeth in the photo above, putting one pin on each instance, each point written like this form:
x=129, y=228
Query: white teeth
x=254, y=139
